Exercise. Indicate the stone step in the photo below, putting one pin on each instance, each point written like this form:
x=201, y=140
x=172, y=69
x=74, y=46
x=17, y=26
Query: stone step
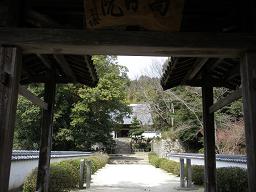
x=138, y=158
x=123, y=146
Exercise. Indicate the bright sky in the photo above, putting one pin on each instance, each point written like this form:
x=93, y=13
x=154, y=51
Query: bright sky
x=138, y=65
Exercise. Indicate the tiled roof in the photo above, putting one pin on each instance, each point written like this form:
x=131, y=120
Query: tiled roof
x=141, y=112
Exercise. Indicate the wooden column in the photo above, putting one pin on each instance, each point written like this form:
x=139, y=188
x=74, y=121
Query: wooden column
x=10, y=68
x=209, y=138
x=46, y=136
x=248, y=75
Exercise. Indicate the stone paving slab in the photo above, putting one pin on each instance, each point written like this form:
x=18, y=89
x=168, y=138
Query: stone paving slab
x=133, y=178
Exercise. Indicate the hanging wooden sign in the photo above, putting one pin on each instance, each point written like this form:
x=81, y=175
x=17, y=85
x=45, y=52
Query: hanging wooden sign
x=153, y=15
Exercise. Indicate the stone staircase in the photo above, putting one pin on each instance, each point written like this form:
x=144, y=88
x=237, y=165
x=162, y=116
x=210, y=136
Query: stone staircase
x=123, y=146
x=137, y=158
x=124, y=153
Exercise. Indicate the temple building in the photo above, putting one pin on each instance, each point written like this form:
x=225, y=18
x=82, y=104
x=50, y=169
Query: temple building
x=140, y=112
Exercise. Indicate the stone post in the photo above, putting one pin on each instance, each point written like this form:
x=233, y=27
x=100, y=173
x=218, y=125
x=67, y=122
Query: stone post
x=88, y=173
x=189, y=178
x=182, y=176
x=81, y=178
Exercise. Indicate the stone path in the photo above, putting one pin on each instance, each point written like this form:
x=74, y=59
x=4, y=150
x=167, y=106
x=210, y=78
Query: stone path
x=133, y=177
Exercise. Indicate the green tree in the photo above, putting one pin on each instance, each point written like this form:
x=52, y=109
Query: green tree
x=66, y=98
x=83, y=116
x=136, y=124
x=135, y=128
x=102, y=108
x=27, y=131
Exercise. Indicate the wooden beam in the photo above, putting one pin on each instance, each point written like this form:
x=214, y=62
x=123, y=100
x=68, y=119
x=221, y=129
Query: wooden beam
x=209, y=138
x=46, y=135
x=235, y=71
x=39, y=20
x=210, y=82
x=170, y=66
x=32, y=98
x=42, y=79
x=215, y=63
x=89, y=62
x=45, y=61
x=10, y=69
x=81, y=42
x=235, y=95
x=65, y=66
x=195, y=69
x=248, y=75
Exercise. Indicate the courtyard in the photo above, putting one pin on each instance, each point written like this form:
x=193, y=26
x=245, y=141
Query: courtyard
x=132, y=173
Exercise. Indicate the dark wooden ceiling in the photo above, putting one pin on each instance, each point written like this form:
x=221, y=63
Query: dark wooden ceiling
x=225, y=16
x=68, y=68
x=223, y=72
x=198, y=16
x=62, y=14
x=213, y=16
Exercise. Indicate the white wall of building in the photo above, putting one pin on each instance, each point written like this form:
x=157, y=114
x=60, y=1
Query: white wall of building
x=151, y=135
x=20, y=169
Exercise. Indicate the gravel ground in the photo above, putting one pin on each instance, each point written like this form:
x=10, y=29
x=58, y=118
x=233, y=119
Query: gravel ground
x=133, y=178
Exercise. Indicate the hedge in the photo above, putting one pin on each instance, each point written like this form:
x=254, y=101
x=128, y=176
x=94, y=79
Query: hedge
x=232, y=179
x=154, y=159
x=170, y=166
x=198, y=174
x=165, y=164
x=64, y=175
x=228, y=178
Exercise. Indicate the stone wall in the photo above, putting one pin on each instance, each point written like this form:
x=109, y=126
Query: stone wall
x=162, y=147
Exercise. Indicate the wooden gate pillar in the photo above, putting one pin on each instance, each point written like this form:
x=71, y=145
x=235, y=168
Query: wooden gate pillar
x=46, y=135
x=10, y=69
x=209, y=138
x=248, y=75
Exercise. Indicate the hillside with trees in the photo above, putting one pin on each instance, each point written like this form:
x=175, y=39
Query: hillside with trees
x=177, y=113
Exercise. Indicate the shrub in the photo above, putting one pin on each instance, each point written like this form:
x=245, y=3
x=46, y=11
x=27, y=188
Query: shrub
x=198, y=174
x=30, y=182
x=60, y=179
x=154, y=159
x=228, y=179
x=98, y=162
x=176, y=170
x=64, y=175
x=148, y=148
x=163, y=163
x=169, y=166
x=232, y=179
x=72, y=169
x=75, y=163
